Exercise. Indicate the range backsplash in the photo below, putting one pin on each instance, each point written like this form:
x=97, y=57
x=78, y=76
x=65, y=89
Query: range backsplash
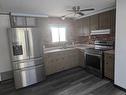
x=91, y=39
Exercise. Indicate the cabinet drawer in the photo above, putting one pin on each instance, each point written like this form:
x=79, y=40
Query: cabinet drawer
x=28, y=76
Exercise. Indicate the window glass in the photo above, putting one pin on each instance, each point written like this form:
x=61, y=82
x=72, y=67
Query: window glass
x=55, y=34
x=58, y=34
x=62, y=33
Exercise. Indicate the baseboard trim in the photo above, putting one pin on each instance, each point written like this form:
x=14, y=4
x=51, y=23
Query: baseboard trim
x=123, y=89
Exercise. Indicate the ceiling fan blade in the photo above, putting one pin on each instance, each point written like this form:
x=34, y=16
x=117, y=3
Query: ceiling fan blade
x=88, y=9
x=80, y=13
x=70, y=10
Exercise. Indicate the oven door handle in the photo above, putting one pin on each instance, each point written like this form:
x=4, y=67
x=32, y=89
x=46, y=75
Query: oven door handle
x=93, y=54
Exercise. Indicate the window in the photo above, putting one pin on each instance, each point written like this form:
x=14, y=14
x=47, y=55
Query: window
x=58, y=34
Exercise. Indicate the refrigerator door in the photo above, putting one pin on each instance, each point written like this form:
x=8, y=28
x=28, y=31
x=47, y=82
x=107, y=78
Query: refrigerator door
x=35, y=46
x=18, y=44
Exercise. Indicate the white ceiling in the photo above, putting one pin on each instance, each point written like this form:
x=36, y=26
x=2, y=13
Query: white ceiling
x=52, y=7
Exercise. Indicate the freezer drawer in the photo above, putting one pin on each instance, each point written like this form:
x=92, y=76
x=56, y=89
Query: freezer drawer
x=27, y=63
x=29, y=76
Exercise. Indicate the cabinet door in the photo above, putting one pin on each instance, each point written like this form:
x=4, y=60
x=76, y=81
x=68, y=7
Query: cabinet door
x=31, y=21
x=81, y=58
x=49, y=60
x=85, y=26
x=113, y=21
x=109, y=66
x=104, y=20
x=94, y=22
x=18, y=21
x=79, y=29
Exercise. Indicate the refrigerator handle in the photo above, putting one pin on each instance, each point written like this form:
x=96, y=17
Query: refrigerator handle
x=27, y=43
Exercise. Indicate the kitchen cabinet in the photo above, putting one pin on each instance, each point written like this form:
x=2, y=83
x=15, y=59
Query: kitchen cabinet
x=109, y=65
x=81, y=58
x=22, y=21
x=61, y=60
x=79, y=30
x=18, y=21
x=94, y=22
x=82, y=26
x=31, y=21
x=105, y=20
x=113, y=21
x=85, y=26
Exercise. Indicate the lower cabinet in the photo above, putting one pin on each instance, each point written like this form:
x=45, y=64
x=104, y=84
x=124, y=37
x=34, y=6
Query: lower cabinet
x=62, y=60
x=81, y=58
x=109, y=66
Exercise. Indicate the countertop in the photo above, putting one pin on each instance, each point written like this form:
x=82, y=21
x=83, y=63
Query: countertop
x=81, y=47
x=57, y=50
x=110, y=51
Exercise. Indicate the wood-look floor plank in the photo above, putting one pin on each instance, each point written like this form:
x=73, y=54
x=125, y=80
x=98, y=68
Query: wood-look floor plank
x=72, y=82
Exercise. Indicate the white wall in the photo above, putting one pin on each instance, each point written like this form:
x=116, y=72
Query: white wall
x=120, y=58
x=5, y=64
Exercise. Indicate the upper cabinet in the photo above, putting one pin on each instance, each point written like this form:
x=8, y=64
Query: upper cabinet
x=105, y=20
x=79, y=27
x=21, y=21
x=113, y=20
x=85, y=26
x=18, y=21
x=31, y=21
x=103, y=23
x=94, y=22
x=82, y=27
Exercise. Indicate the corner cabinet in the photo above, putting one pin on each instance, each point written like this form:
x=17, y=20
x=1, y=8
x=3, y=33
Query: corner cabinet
x=82, y=27
x=22, y=21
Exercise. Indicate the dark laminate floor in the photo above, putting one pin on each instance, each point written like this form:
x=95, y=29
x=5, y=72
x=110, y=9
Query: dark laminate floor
x=72, y=82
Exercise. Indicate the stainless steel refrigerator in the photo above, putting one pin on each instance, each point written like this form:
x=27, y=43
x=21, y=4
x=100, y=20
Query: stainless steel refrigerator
x=27, y=56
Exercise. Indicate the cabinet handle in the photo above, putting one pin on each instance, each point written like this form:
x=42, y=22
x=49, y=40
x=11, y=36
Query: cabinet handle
x=106, y=62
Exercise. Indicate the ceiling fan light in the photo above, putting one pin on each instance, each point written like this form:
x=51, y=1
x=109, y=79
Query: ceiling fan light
x=63, y=17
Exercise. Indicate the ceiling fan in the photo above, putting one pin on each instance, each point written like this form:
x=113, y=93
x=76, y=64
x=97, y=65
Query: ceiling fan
x=76, y=10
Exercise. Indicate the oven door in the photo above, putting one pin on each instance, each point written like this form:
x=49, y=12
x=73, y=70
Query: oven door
x=94, y=63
